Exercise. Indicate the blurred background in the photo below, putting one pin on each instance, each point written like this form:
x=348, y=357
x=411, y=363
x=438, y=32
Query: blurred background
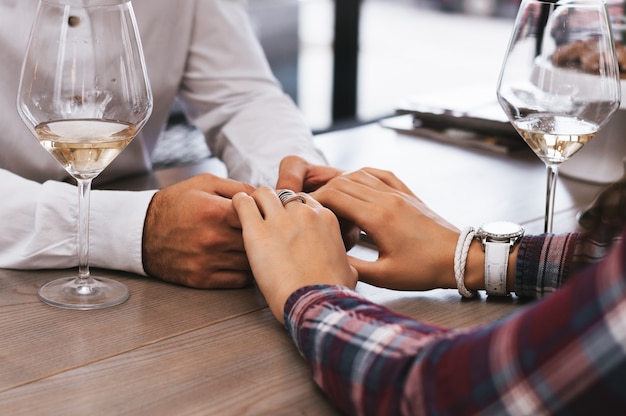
x=395, y=50
x=405, y=47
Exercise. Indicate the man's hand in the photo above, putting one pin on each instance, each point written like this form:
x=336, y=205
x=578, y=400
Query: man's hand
x=299, y=175
x=192, y=235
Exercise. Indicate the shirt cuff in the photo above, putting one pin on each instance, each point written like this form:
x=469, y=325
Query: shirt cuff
x=543, y=263
x=299, y=302
x=116, y=229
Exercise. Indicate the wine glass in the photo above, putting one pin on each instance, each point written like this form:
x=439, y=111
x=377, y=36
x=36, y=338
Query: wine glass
x=559, y=82
x=84, y=93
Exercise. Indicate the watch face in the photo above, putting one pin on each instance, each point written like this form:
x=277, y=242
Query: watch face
x=502, y=229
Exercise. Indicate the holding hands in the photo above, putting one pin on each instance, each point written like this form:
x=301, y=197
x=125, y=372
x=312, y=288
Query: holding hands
x=416, y=246
x=297, y=245
x=193, y=233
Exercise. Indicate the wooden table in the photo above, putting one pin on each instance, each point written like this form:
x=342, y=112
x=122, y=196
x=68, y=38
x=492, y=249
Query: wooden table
x=171, y=350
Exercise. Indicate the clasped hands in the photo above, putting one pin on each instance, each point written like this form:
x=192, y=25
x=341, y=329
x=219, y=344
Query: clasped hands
x=193, y=233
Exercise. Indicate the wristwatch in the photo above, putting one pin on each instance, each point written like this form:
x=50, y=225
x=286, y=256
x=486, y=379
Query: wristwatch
x=498, y=239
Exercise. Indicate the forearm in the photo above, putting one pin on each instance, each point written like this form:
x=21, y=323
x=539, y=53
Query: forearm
x=350, y=342
x=369, y=360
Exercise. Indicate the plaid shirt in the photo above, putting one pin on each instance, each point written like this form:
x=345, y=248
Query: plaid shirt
x=563, y=354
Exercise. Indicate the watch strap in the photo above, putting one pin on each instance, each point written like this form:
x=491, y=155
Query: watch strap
x=496, y=266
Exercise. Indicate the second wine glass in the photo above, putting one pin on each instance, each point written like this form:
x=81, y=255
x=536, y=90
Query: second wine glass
x=84, y=94
x=559, y=82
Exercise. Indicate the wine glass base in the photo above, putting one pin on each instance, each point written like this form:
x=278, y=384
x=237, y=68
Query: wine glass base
x=73, y=293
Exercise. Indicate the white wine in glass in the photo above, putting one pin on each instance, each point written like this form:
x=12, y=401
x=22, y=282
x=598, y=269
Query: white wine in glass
x=84, y=93
x=559, y=82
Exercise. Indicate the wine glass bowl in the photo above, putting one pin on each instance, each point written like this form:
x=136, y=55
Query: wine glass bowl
x=84, y=147
x=559, y=82
x=84, y=94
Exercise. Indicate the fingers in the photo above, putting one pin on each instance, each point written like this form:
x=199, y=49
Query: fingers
x=310, y=201
x=350, y=200
x=217, y=279
x=367, y=270
x=223, y=187
x=227, y=279
x=213, y=185
x=365, y=197
x=299, y=175
x=374, y=179
x=389, y=179
x=268, y=203
x=246, y=209
x=289, y=199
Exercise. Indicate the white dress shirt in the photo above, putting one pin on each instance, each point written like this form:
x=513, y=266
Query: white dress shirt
x=203, y=52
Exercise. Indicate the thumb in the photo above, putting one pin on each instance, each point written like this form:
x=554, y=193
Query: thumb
x=291, y=173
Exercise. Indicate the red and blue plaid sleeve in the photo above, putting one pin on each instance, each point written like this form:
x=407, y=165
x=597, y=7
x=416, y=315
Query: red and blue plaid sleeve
x=563, y=354
x=547, y=261
x=544, y=263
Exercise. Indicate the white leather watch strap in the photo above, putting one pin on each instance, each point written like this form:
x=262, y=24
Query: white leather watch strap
x=496, y=265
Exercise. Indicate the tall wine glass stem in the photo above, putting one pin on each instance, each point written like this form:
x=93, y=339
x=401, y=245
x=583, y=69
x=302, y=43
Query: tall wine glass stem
x=84, y=191
x=83, y=291
x=553, y=174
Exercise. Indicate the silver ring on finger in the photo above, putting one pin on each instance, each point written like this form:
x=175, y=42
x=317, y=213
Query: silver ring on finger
x=287, y=195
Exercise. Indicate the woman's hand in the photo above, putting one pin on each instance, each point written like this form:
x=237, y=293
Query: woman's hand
x=291, y=246
x=416, y=246
x=299, y=175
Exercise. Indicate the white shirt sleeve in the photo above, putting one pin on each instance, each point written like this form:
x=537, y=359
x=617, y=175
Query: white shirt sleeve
x=230, y=94
x=39, y=226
